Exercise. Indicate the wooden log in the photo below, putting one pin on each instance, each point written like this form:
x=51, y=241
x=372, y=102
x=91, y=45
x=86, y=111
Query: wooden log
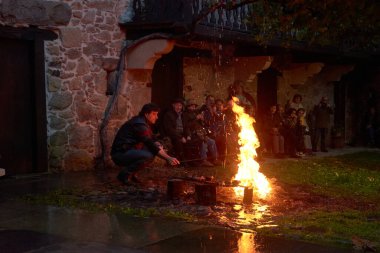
x=248, y=195
x=205, y=194
x=175, y=188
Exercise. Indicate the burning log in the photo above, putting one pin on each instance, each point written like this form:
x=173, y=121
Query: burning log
x=248, y=195
x=175, y=188
x=205, y=194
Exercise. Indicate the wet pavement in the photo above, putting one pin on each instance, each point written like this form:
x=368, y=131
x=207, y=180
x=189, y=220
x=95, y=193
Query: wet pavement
x=28, y=227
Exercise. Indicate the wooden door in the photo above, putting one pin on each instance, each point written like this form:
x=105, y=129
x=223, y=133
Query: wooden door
x=17, y=110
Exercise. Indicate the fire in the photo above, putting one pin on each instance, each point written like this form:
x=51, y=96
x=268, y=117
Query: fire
x=248, y=169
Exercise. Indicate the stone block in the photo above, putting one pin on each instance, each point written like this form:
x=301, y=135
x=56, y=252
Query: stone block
x=75, y=84
x=110, y=20
x=66, y=75
x=53, y=50
x=60, y=101
x=58, y=138
x=71, y=37
x=54, y=83
x=84, y=111
x=81, y=137
x=57, y=152
x=89, y=17
x=104, y=5
x=68, y=114
x=95, y=48
x=57, y=123
x=77, y=5
x=88, y=78
x=98, y=100
x=104, y=36
x=83, y=67
x=78, y=14
x=36, y=12
x=74, y=53
x=99, y=20
x=58, y=13
x=70, y=66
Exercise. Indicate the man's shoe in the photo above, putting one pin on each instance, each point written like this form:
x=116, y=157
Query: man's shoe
x=128, y=179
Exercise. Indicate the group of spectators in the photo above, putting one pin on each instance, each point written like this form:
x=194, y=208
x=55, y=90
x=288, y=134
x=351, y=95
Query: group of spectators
x=193, y=135
x=289, y=131
x=205, y=135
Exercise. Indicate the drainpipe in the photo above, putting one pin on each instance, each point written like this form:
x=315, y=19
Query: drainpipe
x=119, y=77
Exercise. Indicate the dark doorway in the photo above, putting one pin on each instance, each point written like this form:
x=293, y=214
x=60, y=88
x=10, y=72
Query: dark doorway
x=23, y=133
x=340, y=104
x=167, y=79
x=266, y=91
x=17, y=110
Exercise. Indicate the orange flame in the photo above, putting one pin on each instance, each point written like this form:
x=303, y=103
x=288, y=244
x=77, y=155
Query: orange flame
x=248, y=169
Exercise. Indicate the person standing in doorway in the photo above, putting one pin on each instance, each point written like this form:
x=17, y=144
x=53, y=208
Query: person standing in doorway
x=321, y=113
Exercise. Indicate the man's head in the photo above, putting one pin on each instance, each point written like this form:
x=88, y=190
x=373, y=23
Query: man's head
x=297, y=98
x=219, y=104
x=273, y=109
x=324, y=100
x=150, y=112
x=210, y=100
x=191, y=105
x=177, y=105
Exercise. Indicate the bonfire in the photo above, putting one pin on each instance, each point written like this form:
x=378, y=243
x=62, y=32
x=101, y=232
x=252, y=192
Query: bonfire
x=248, y=173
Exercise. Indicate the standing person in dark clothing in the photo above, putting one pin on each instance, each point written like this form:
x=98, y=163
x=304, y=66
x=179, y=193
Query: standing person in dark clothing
x=290, y=133
x=371, y=126
x=173, y=127
x=322, y=113
x=273, y=140
x=220, y=129
x=134, y=146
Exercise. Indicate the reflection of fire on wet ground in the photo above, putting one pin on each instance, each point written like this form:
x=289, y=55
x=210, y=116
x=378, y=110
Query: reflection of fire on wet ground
x=228, y=210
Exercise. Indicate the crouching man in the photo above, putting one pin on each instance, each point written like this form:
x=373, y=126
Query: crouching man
x=134, y=147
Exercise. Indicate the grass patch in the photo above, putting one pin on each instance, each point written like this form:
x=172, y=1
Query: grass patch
x=71, y=198
x=329, y=227
x=351, y=175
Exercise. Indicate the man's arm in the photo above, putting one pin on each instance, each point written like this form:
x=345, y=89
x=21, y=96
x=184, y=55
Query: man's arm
x=171, y=160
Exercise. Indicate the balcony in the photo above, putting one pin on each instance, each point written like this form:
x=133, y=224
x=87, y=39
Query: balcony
x=192, y=19
x=184, y=17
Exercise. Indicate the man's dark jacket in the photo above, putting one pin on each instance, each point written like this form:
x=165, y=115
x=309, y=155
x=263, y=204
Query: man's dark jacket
x=134, y=134
x=169, y=125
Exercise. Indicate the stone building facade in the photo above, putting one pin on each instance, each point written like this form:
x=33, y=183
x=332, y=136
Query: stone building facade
x=82, y=63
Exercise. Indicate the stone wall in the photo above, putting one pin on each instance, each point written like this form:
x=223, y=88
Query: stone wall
x=78, y=66
x=208, y=76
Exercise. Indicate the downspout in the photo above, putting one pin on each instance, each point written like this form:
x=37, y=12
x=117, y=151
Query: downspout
x=121, y=66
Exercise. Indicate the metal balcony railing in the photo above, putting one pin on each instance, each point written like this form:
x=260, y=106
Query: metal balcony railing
x=188, y=12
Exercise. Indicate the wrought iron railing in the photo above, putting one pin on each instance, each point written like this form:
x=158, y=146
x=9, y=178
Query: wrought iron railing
x=238, y=18
x=242, y=18
x=151, y=11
